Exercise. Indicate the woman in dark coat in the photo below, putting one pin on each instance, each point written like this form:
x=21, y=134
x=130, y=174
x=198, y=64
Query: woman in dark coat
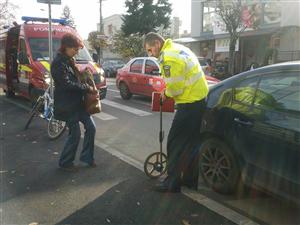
x=68, y=104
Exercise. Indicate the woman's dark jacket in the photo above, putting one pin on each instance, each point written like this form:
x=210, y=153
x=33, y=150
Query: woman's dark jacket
x=68, y=92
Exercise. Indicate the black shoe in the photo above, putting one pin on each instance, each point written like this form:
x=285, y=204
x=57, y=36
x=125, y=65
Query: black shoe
x=167, y=186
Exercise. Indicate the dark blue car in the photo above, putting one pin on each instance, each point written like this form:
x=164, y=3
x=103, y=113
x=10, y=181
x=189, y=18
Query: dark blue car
x=251, y=132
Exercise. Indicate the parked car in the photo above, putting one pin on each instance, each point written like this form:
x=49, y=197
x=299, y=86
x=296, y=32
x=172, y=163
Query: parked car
x=110, y=67
x=251, y=132
x=142, y=76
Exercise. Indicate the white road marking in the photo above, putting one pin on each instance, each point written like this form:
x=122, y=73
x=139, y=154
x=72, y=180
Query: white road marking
x=105, y=116
x=136, y=101
x=218, y=208
x=120, y=155
x=126, y=108
x=113, y=90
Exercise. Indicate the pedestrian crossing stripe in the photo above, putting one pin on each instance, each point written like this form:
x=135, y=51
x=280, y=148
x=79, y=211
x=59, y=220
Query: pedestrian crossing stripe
x=126, y=108
x=105, y=116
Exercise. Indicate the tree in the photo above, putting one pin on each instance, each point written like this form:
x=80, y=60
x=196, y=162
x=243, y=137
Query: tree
x=7, y=12
x=66, y=14
x=128, y=46
x=143, y=16
x=237, y=18
x=96, y=41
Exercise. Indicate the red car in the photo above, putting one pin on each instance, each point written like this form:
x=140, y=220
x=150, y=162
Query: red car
x=141, y=76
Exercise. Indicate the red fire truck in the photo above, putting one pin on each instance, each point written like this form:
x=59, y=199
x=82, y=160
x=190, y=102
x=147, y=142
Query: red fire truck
x=24, y=57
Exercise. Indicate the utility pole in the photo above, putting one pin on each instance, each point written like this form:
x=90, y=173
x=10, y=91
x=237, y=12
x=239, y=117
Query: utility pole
x=101, y=30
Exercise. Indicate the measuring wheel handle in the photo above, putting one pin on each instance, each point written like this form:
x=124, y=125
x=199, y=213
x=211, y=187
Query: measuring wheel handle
x=155, y=165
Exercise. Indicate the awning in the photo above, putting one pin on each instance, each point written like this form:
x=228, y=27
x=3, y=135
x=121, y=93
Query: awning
x=211, y=36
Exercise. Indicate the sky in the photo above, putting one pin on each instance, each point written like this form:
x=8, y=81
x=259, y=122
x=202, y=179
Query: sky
x=86, y=13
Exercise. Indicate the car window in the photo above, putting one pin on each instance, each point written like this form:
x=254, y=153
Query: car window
x=151, y=68
x=136, y=66
x=279, y=91
x=244, y=92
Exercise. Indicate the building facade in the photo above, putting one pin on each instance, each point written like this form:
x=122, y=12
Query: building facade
x=276, y=39
x=111, y=25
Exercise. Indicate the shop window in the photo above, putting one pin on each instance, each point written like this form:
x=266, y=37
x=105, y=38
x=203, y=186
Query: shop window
x=208, y=15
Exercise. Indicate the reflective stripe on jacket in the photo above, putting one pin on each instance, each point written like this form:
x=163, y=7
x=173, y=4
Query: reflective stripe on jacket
x=185, y=80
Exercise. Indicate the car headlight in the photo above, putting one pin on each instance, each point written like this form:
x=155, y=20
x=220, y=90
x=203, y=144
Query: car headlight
x=101, y=72
x=47, y=77
x=48, y=80
x=102, y=79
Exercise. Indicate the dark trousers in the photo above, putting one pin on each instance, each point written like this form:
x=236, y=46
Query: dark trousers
x=182, y=144
x=87, y=154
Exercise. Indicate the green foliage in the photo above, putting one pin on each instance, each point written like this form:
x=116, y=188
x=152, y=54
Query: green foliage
x=143, y=16
x=237, y=16
x=95, y=42
x=128, y=46
x=66, y=14
x=7, y=12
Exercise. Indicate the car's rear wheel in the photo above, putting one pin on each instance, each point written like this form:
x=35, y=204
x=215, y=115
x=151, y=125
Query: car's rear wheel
x=124, y=91
x=219, y=166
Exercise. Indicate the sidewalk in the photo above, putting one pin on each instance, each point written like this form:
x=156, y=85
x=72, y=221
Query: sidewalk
x=34, y=190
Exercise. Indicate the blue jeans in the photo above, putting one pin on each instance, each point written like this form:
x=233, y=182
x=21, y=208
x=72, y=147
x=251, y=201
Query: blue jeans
x=87, y=154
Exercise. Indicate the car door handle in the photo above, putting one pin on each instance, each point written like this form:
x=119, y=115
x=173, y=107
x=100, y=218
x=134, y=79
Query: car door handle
x=247, y=123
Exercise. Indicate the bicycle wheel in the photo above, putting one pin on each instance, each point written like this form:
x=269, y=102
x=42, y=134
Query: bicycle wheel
x=34, y=111
x=155, y=165
x=55, y=128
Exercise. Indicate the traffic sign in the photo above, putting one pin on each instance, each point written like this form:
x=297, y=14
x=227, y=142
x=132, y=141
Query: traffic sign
x=55, y=2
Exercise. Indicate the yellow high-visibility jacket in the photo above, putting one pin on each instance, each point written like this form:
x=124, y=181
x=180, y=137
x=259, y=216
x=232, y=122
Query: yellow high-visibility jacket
x=185, y=80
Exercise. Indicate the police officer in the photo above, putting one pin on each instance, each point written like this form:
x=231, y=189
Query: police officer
x=186, y=84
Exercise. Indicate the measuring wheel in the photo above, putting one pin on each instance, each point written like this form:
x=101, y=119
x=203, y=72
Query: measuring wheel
x=155, y=165
x=55, y=128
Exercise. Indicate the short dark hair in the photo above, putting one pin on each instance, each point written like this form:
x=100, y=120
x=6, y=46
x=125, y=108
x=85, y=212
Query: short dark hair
x=151, y=37
x=70, y=41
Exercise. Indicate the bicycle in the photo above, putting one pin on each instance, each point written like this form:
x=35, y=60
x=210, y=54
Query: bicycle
x=44, y=107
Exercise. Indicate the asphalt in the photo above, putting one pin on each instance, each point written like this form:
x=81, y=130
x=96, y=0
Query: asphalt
x=34, y=190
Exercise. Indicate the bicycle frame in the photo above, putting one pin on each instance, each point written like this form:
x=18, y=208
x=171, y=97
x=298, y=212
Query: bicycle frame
x=48, y=105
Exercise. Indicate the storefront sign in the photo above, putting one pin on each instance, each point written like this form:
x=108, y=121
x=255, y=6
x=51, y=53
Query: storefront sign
x=222, y=45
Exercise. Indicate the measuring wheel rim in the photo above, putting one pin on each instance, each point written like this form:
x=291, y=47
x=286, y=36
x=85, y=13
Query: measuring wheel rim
x=55, y=128
x=155, y=165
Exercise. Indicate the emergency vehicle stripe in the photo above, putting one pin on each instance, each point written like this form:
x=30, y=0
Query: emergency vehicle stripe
x=25, y=68
x=193, y=79
x=46, y=65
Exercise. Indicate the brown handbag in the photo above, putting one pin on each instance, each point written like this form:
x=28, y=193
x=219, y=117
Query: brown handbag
x=92, y=102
